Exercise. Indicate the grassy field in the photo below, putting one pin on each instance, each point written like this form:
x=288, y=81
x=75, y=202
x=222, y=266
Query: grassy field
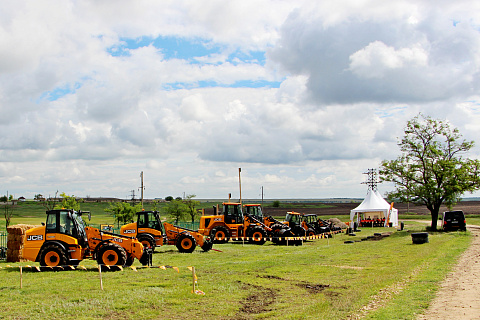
x=323, y=279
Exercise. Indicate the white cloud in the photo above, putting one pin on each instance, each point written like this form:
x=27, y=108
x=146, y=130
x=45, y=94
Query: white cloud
x=80, y=119
x=431, y=59
x=377, y=59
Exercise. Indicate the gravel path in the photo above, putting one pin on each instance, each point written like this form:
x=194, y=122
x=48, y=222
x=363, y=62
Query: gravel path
x=459, y=295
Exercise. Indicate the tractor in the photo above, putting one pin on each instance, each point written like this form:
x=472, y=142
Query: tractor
x=280, y=230
x=256, y=229
x=65, y=240
x=222, y=226
x=318, y=225
x=150, y=231
x=298, y=225
x=294, y=226
x=233, y=223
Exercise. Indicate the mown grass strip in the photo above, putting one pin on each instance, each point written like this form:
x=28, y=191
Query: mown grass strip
x=319, y=280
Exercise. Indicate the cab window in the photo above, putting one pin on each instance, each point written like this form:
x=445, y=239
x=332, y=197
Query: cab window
x=142, y=221
x=66, y=223
x=152, y=221
x=51, y=223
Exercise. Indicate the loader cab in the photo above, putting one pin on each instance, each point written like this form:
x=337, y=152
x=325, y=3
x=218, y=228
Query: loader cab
x=149, y=219
x=295, y=221
x=232, y=213
x=67, y=222
x=310, y=218
x=254, y=210
x=148, y=229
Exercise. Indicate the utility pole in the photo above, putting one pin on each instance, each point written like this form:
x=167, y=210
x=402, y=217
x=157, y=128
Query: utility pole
x=262, y=197
x=240, y=184
x=142, y=187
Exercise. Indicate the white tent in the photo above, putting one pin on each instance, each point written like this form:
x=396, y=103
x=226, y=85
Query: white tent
x=375, y=207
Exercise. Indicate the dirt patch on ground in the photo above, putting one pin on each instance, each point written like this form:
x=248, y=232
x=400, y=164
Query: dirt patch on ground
x=259, y=302
x=311, y=288
x=459, y=294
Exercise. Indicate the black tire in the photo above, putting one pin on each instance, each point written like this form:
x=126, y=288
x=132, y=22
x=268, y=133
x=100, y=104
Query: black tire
x=311, y=232
x=349, y=241
x=145, y=258
x=299, y=232
x=53, y=255
x=283, y=234
x=207, y=245
x=129, y=261
x=147, y=241
x=186, y=243
x=276, y=230
x=220, y=235
x=257, y=235
x=111, y=254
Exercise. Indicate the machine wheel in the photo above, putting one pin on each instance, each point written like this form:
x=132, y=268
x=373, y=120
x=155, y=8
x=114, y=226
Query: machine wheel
x=220, y=235
x=257, y=235
x=111, y=254
x=129, y=261
x=284, y=233
x=147, y=241
x=186, y=243
x=53, y=256
x=145, y=258
x=207, y=245
x=311, y=232
x=276, y=228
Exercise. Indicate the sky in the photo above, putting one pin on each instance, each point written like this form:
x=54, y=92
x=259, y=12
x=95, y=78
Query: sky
x=303, y=96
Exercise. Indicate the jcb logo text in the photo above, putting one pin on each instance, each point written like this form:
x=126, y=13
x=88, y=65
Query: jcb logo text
x=35, y=237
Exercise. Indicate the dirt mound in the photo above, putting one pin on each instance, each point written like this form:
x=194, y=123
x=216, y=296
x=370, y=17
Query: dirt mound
x=337, y=223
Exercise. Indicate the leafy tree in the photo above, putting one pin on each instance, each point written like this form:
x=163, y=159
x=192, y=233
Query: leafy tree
x=3, y=199
x=155, y=204
x=176, y=209
x=431, y=170
x=50, y=203
x=168, y=198
x=276, y=204
x=68, y=202
x=191, y=206
x=8, y=212
x=123, y=212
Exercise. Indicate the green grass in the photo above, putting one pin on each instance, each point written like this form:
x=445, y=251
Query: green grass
x=323, y=279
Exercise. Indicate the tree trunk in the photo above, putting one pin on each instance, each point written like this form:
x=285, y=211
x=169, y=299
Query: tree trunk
x=434, y=213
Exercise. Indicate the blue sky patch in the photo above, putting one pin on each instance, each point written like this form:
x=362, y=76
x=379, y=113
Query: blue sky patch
x=215, y=84
x=60, y=92
x=185, y=49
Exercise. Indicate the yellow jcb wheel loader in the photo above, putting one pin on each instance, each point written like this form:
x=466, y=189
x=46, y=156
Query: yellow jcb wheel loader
x=150, y=231
x=225, y=225
x=65, y=240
